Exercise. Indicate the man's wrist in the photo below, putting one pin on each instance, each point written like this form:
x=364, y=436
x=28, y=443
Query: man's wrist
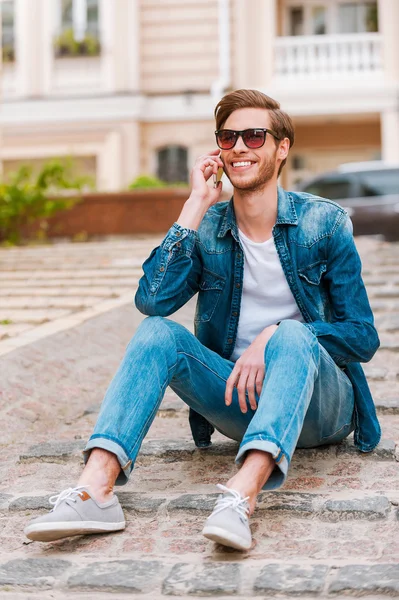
x=192, y=213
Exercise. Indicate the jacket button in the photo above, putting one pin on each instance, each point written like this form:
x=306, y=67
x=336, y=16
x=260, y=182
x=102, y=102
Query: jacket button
x=162, y=268
x=239, y=255
x=178, y=233
x=238, y=285
x=178, y=244
x=235, y=314
x=230, y=341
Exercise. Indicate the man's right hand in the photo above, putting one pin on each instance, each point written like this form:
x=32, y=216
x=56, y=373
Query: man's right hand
x=205, y=166
x=202, y=196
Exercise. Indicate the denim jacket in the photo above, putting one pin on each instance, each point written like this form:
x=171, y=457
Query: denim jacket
x=314, y=241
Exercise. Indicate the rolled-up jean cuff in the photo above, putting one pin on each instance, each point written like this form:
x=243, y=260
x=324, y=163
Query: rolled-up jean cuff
x=115, y=448
x=279, y=474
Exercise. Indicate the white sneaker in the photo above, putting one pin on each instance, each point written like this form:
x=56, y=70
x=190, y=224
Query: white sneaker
x=228, y=524
x=75, y=512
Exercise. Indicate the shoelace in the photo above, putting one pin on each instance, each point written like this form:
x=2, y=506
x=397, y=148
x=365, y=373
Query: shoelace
x=235, y=501
x=69, y=494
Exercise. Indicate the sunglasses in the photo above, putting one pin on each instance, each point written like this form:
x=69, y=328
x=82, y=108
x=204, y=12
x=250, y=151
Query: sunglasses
x=226, y=139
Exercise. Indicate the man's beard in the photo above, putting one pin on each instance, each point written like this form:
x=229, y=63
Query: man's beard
x=265, y=174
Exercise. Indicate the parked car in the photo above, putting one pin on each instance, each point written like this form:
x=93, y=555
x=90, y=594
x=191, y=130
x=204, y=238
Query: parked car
x=369, y=192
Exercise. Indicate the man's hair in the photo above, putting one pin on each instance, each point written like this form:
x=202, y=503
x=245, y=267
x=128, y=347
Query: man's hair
x=280, y=122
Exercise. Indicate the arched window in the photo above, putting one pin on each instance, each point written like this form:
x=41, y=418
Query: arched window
x=172, y=164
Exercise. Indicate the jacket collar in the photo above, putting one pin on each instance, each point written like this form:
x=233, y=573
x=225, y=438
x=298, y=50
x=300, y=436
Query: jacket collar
x=286, y=214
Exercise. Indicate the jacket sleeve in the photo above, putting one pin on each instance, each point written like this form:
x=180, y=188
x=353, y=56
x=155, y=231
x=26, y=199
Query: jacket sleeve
x=351, y=336
x=171, y=274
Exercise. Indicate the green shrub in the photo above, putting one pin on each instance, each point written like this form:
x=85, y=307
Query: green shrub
x=8, y=53
x=66, y=45
x=143, y=182
x=26, y=197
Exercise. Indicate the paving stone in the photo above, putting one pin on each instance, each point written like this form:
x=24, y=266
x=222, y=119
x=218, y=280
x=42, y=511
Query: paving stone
x=391, y=345
x=139, y=502
x=365, y=579
x=384, y=451
x=295, y=579
x=387, y=405
x=181, y=450
x=302, y=504
x=197, y=502
x=376, y=507
x=374, y=373
x=30, y=503
x=4, y=500
x=117, y=576
x=386, y=293
x=53, y=451
x=202, y=580
x=38, y=572
x=93, y=409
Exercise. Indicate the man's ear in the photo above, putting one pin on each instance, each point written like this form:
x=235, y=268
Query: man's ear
x=284, y=148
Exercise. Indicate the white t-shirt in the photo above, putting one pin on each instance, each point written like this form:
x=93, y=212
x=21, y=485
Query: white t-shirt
x=266, y=296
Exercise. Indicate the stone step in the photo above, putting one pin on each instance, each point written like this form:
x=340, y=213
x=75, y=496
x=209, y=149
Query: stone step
x=47, y=302
x=36, y=317
x=126, y=282
x=384, y=405
x=180, y=450
x=167, y=577
x=104, y=273
x=332, y=507
x=56, y=291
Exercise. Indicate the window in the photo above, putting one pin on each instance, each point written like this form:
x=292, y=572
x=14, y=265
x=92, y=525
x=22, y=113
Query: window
x=296, y=19
x=7, y=31
x=357, y=17
x=319, y=20
x=79, y=29
x=332, y=188
x=379, y=183
x=320, y=17
x=80, y=15
x=172, y=164
x=92, y=17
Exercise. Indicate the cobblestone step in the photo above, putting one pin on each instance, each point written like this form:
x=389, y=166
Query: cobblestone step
x=126, y=282
x=104, y=273
x=326, y=507
x=180, y=450
x=171, y=578
x=29, y=303
x=65, y=291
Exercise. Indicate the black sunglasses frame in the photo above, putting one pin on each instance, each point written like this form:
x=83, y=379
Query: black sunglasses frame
x=240, y=133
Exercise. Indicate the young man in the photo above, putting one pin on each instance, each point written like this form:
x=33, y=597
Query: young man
x=282, y=324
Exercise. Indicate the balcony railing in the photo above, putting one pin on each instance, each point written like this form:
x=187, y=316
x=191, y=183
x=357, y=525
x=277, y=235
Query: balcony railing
x=328, y=55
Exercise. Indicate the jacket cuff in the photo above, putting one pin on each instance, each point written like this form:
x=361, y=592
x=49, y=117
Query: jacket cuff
x=180, y=238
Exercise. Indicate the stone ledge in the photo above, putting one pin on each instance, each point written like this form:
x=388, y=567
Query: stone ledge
x=172, y=450
x=301, y=505
x=164, y=577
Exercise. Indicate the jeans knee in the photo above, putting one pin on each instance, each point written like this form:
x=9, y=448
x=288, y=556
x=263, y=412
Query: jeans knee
x=292, y=335
x=153, y=332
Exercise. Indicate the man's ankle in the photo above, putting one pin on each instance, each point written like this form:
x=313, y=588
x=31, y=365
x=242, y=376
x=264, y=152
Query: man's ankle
x=100, y=493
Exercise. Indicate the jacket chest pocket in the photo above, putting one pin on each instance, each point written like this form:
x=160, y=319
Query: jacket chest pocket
x=311, y=278
x=314, y=272
x=210, y=288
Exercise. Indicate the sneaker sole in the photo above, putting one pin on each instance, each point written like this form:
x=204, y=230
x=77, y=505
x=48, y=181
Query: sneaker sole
x=49, y=532
x=226, y=538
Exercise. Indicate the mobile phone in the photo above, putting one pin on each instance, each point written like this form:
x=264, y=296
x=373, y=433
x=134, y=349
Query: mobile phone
x=217, y=177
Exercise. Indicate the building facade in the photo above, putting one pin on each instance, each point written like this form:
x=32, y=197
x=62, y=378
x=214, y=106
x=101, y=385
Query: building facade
x=128, y=87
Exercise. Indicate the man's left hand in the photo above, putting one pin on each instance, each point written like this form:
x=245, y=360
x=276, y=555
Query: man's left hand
x=249, y=371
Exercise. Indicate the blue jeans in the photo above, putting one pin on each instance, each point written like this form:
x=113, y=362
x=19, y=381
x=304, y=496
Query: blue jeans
x=306, y=399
